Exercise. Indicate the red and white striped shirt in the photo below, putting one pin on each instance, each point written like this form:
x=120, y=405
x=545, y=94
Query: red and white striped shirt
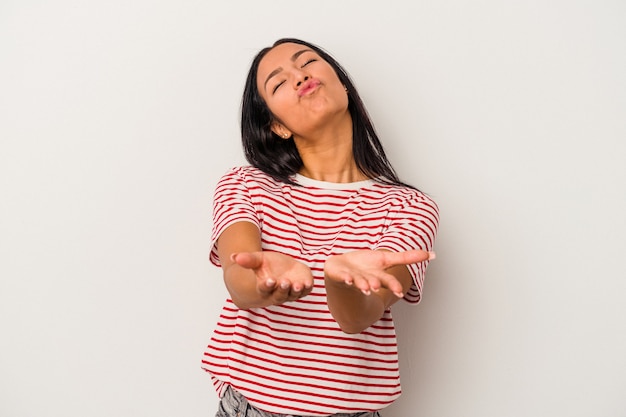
x=293, y=358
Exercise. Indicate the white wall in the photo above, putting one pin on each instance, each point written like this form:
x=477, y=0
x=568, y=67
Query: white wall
x=117, y=118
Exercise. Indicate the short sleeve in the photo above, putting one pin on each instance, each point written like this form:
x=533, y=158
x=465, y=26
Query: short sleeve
x=232, y=203
x=412, y=225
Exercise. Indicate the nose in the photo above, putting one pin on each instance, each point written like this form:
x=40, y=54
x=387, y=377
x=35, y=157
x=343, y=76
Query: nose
x=301, y=79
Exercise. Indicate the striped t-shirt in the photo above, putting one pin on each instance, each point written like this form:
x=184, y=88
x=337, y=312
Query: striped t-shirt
x=293, y=358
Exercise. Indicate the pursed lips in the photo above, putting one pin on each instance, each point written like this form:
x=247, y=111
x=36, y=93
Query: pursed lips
x=308, y=87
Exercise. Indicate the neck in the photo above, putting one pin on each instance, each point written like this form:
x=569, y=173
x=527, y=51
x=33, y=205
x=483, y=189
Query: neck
x=328, y=156
x=346, y=174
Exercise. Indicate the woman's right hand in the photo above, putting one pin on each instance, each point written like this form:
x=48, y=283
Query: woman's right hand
x=279, y=277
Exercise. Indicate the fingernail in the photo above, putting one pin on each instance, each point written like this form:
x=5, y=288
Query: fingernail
x=284, y=285
x=366, y=292
x=233, y=256
x=431, y=256
x=270, y=282
x=399, y=294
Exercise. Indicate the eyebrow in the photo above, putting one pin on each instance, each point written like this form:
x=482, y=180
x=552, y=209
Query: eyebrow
x=279, y=69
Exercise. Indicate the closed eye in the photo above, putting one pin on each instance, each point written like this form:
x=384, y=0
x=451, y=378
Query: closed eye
x=276, y=87
x=308, y=62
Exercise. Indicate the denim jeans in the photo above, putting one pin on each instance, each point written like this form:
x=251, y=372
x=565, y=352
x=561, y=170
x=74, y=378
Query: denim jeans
x=233, y=404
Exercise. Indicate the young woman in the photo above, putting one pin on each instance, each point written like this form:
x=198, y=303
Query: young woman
x=317, y=239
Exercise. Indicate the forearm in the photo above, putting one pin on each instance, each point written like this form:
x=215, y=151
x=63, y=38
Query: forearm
x=362, y=285
x=241, y=284
x=353, y=310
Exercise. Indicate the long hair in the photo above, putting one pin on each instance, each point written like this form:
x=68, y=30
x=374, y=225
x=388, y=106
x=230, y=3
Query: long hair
x=279, y=157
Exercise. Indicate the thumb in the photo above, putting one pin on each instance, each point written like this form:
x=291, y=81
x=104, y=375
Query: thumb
x=410, y=257
x=250, y=260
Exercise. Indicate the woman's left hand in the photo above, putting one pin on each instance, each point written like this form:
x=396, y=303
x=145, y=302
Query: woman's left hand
x=366, y=269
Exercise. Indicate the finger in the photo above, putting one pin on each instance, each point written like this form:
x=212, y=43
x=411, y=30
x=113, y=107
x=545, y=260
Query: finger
x=345, y=277
x=250, y=260
x=385, y=280
x=408, y=257
x=375, y=284
x=281, y=292
x=308, y=281
x=266, y=286
x=297, y=287
x=302, y=287
x=361, y=283
x=294, y=294
x=393, y=285
x=302, y=278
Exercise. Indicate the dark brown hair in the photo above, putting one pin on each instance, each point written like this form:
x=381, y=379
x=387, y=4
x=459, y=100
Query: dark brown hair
x=279, y=157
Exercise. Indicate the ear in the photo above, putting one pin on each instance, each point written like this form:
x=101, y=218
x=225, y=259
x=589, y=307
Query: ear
x=281, y=130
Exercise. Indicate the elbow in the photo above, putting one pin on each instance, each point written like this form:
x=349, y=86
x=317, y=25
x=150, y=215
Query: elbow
x=352, y=322
x=352, y=330
x=243, y=304
x=240, y=305
x=351, y=326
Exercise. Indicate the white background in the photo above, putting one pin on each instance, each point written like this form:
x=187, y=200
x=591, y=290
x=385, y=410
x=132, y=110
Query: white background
x=118, y=117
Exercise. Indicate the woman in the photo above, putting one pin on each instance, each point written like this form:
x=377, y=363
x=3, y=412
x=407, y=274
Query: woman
x=317, y=239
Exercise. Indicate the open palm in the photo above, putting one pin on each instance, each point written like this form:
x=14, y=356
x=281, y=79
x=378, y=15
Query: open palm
x=366, y=269
x=279, y=277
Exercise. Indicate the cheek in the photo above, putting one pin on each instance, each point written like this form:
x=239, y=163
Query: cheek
x=281, y=107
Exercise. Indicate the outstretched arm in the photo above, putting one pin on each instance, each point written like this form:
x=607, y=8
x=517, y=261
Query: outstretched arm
x=255, y=278
x=361, y=285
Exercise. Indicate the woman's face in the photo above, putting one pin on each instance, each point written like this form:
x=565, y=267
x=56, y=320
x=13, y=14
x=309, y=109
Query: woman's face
x=301, y=90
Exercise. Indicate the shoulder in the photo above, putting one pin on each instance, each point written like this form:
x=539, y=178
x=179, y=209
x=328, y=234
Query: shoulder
x=249, y=177
x=406, y=196
x=246, y=174
x=406, y=204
